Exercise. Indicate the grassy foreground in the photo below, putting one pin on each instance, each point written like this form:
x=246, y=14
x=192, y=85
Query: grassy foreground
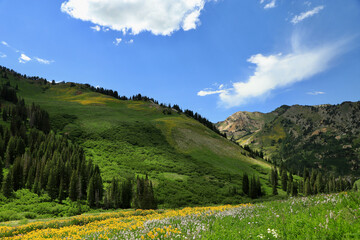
x=334, y=216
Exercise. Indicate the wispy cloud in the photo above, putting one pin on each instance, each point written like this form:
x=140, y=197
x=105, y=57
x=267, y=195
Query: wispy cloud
x=203, y=93
x=314, y=93
x=96, y=28
x=271, y=4
x=4, y=43
x=304, y=15
x=117, y=41
x=24, y=59
x=43, y=61
x=278, y=71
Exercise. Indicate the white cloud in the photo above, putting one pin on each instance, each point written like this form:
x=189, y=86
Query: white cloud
x=117, y=41
x=24, y=59
x=307, y=14
x=130, y=41
x=160, y=17
x=2, y=55
x=270, y=4
x=43, y=61
x=4, y=43
x=203, y=93
x=278, y=71
x=314, y=93
x=96, y=28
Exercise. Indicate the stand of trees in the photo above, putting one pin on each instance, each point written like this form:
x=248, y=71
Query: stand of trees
x=313, y=182
x=252, y=187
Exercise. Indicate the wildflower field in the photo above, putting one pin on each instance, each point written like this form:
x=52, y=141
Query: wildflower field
x=334, y=216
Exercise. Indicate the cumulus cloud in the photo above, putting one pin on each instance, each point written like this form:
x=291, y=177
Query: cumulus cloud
x=160, y=17
x=304, y=15
x=4, y=43
x=278, y=71
x=24, y=59
x=2, y=55
x=314, y=93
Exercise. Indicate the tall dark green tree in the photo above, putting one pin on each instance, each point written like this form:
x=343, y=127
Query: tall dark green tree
x=245, y=184
x=284, y=180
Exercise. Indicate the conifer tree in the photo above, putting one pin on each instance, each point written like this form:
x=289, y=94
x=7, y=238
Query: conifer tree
x=73, y=190
x=7, y=187
x=91, y=193
x=245, y=184
x=126, y=195
x=307, y=190
x=284, y=180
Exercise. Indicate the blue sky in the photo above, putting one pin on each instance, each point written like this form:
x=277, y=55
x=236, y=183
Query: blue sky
x=214, y=57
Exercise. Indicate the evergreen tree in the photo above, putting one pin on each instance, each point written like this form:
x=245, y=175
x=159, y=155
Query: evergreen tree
x=73, y=190
x=284, y=180
x=91, y=193
x=307, y=190
x=52, y=187
x=126, y=194
x=245, y=184
x=7, y=187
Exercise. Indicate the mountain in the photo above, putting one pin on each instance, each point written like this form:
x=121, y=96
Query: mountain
x=188, y=163
x=324, y=136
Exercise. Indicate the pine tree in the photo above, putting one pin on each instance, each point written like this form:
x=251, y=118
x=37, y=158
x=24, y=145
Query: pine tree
x=245, y=184
x=91, y=192
x=307, y=190
x=73, y=190
x=284, y=180
x=126, y=194
x=52, y=188
x=7, y=187
x=319, y=184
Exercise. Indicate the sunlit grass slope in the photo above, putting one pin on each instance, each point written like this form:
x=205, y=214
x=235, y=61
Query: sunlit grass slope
x=188, y=163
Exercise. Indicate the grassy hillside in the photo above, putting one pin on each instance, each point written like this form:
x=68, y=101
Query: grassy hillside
x=188, y=163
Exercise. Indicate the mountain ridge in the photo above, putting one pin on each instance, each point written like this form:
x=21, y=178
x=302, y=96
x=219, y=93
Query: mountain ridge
x=309, y=131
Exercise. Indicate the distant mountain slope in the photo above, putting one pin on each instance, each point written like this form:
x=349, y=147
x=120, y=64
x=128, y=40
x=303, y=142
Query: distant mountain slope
x=324, y=136
x=188, y=163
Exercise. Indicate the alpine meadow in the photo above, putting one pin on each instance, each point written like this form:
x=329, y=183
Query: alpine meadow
x=179, y=119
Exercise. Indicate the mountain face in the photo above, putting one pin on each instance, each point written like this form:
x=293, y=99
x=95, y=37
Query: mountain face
x=187, y=162
x=324, y=136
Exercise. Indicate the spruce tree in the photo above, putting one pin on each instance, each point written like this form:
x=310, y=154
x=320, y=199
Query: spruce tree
x=7, y=187
x=91, y=192
x=307, y=190
x=73, y=190
x=284, y=180
x=126, y=194
x=245, y=184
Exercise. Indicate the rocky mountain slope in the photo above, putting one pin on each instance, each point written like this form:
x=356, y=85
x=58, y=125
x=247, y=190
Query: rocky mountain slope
x=323, y=136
